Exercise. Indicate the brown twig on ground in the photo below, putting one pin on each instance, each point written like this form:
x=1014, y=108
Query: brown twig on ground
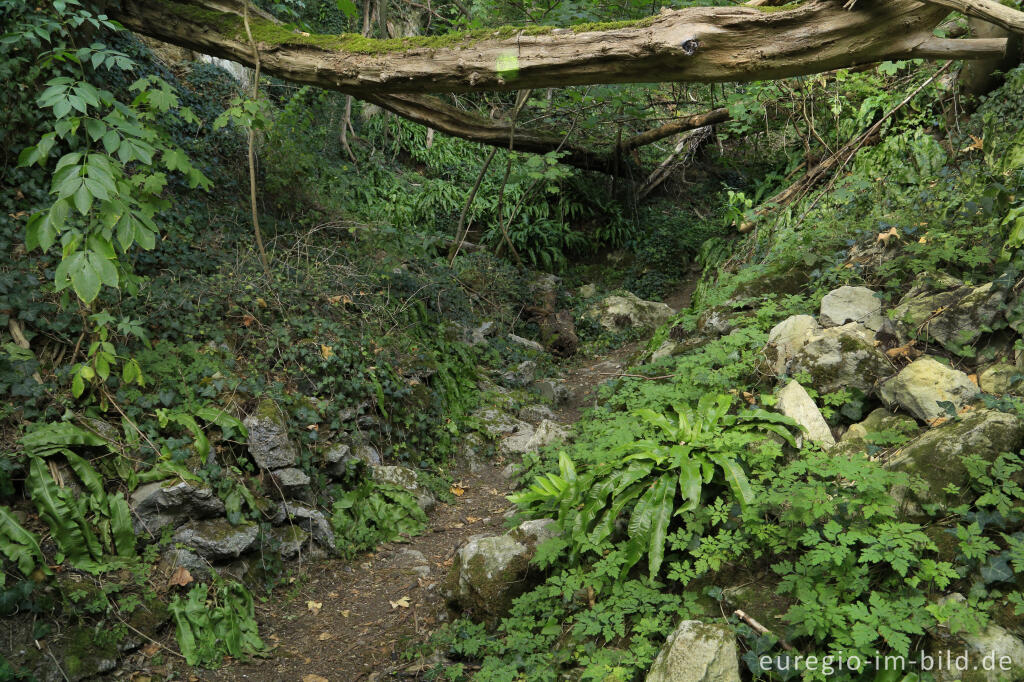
x=760, y=629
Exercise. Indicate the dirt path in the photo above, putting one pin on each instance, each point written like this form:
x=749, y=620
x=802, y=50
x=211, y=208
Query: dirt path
x=373, y=608
x=351, y=621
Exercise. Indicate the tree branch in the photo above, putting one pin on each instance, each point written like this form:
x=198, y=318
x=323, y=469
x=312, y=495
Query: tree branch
x=705, y=44
x=989, y=10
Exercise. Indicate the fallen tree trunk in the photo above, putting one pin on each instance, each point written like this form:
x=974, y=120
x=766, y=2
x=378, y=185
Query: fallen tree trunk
x=989, y=10
x=706, y=44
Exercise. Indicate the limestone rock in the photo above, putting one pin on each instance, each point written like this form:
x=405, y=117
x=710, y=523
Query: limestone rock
x=269, y=444
x=525, y=343
x=482, y=333
x=881, y=420
x=547, y=432
x=697, y=652
x=171, y=503
x=993, y=655
x=922, y=384
x=412, y=562
x=787, y=338
x=852, y=304
x=536, y=413
x=337, y=460
x=842, y=357
x=1001, y=378
x=292, y=482
x=717, y=321
x=309, y=519
x=966, y=312
x=521, y=376
x=666, y=350
x=497, y=424
x=287, y=540
x=536, y=531
x=618, y=313
x=404, y=477
x=490, y=571
x=217, y=539
x=368, y=454
x=175, y=557
x=552, y=390
x=936, y=455
x=794, y=402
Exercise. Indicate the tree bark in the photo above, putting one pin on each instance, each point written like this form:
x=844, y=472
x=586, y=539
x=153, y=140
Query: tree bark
x=705, y=44
x=989, y=10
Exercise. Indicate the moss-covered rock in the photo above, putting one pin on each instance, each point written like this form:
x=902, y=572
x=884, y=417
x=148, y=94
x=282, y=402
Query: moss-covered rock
x=217, y=539
x=618, y=313
x=269, y=444
x=937, y=455
x=490, y=571
x=1001, y=378
x=923, y=384
x=697, y=652
x=951, y=313
x=842, y=357
x=882, y=421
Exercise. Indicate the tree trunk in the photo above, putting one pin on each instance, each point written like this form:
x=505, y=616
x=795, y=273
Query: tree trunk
x=706, y=44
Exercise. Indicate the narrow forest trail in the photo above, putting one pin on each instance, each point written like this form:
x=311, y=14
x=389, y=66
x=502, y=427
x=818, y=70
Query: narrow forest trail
x=351, y=621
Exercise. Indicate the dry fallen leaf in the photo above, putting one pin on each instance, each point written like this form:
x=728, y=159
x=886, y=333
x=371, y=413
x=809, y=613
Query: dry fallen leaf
x=314, y=678
x=976, y=144
x=332, y=595
x=472, y=519
x=324, y=636
x=345, y=613
x=247, y=320
x=973, y=378
x=922, y=240
x=402, y=603
x=457, y=490
x=326, y=351
x=180, y=577
x=884, y=237
x=150, y=649
x=314, y=606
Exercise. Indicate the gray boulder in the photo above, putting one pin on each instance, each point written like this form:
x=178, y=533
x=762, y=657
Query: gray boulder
x=536, y=413
x=786, y=339
x=404, y=477
x=717, y=321
x=795, y=403
x=618, y=313
x=337, y=459
x=171, y=503
x=924, y=383
x=697, y=652
x=269, y=444
x=217, y=539
x=951, y=312
x=498, y=424
x=521, y=376
x=412, y=562
x=936, y=455
x=547, y=432
x=175, y=557
x=292, y=482
x=1001, y=378
x=288, y=541
x=526, y=343
x=842, y=357
x=553, y=390
x=308, y=519
x=852, y=304
x=490, y=571
x=878, y=421
x=482, y=333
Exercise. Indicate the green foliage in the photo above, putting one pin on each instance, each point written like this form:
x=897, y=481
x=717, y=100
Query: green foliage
x=697, y=455
x=100, y=206
x=90, y=528
x=372, y=513
x=214, y=621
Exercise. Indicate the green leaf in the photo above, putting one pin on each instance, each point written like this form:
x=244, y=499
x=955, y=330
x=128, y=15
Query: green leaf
x=19, y=545
x=735, y=477
x=662, y=506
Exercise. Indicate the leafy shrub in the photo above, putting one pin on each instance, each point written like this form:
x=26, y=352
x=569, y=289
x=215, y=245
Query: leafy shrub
x=372, y=513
